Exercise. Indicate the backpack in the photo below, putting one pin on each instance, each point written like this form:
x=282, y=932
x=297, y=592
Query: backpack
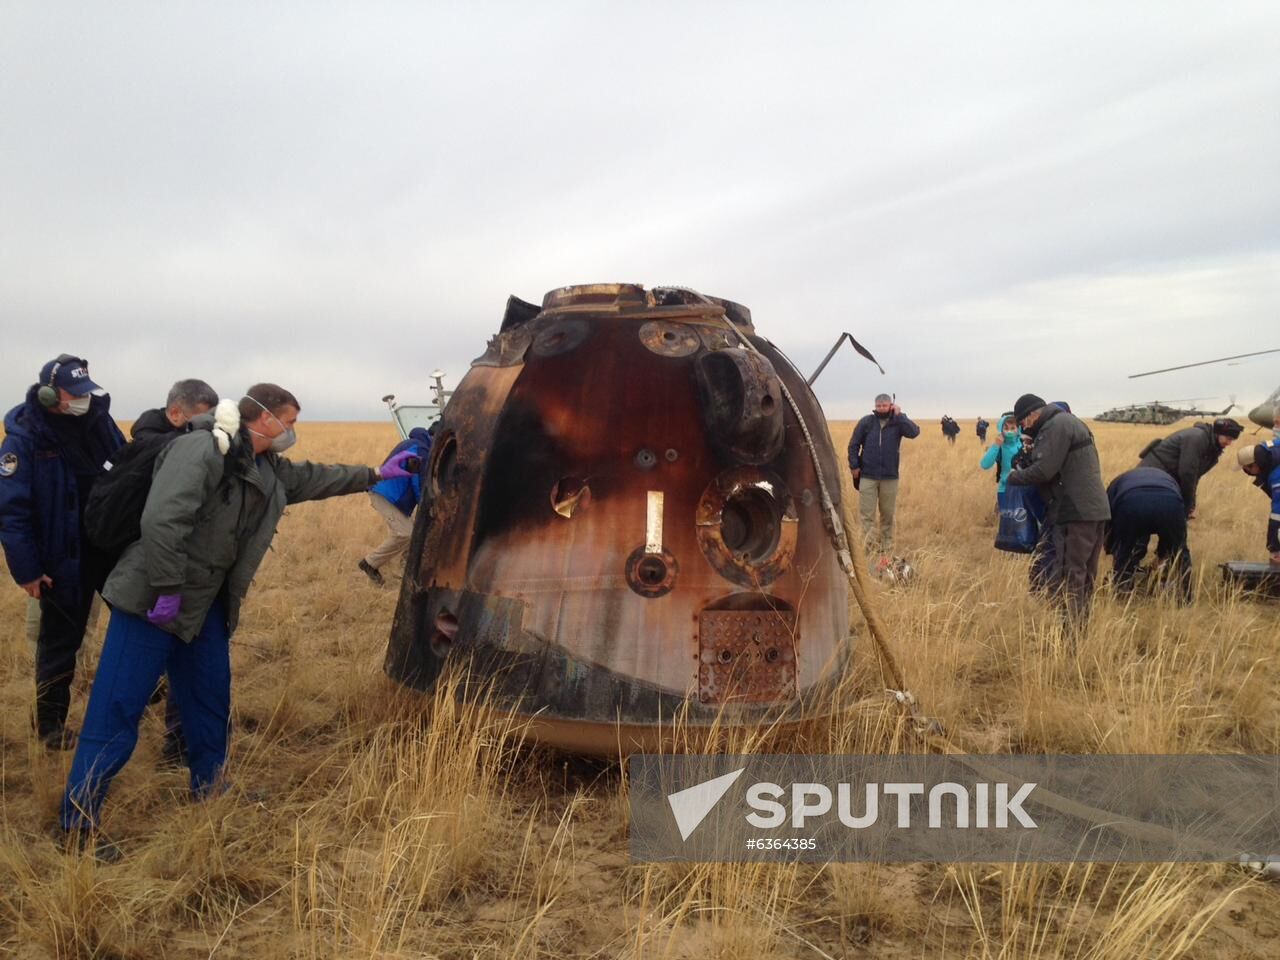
x=113, y=513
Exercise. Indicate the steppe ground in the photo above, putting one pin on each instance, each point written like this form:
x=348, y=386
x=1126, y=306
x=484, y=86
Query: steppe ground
x=395, y=826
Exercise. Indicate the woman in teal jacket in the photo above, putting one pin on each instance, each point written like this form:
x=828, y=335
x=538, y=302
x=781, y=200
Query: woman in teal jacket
x=1003, y=452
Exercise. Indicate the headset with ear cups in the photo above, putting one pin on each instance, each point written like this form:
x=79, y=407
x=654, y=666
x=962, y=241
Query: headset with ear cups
x=48, y=393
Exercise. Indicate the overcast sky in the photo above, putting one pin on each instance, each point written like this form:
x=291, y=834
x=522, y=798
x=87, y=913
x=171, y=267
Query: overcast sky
x=994, y=198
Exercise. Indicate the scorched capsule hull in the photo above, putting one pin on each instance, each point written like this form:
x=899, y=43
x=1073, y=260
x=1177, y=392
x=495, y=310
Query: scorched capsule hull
x=622, y=524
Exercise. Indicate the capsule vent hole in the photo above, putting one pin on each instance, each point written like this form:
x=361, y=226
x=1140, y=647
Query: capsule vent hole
x=651, y=571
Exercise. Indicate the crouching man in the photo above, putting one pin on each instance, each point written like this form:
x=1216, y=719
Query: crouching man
x=1262, y=462
x=218, y=493
x=1146, y=502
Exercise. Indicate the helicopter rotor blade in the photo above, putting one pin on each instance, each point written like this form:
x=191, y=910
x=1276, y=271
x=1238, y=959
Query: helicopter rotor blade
x=1187, y=366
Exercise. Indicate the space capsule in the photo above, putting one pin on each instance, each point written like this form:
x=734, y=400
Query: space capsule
x=623, y=523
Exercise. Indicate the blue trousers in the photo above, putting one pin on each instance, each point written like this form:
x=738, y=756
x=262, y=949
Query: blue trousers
x=134, y=655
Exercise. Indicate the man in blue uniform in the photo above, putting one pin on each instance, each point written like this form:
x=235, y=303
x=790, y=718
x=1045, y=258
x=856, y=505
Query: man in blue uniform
x=1262, y=462
x=395, y=500
x=57, y=443
x=1146, y=502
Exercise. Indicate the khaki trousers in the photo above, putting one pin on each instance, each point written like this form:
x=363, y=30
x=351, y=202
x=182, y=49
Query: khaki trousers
x=873, y=495
x=400, y=530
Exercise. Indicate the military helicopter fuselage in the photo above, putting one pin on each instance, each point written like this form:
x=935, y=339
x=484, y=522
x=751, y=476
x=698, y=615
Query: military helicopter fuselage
x=1266, y=414
x=1156, y=413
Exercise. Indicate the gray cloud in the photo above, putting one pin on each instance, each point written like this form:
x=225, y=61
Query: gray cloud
x=993, y=197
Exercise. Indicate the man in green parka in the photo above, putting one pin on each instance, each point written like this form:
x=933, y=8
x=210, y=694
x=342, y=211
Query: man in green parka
x=216, y=497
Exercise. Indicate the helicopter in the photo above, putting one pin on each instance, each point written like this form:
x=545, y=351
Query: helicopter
x=1157, y=412
x=1264, y=414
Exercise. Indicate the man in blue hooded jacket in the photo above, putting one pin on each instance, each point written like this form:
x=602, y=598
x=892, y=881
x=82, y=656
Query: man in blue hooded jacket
x=57, y=443
x=873, y=461
x=395, y=500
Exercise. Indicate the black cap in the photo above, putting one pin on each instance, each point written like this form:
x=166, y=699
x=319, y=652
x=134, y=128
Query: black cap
x=1027, y=404
x=1227, y=427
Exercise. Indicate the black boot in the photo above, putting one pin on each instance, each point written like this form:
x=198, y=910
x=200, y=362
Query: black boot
x=371, y=572
x=59, y=738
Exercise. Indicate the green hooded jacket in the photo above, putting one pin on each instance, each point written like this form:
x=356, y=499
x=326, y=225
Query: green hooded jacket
x=209, y=521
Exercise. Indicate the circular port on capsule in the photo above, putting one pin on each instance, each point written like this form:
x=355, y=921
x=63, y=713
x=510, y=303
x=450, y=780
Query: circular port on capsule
x=751, y=524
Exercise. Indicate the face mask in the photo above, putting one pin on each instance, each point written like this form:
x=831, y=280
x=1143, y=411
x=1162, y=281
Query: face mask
x=78, y=406
x=281, y=441
x=1010, y=434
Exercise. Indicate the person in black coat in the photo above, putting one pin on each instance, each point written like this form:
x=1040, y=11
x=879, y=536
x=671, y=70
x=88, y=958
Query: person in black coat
x=1191, y=453
x=187, y=399
x=950, y=429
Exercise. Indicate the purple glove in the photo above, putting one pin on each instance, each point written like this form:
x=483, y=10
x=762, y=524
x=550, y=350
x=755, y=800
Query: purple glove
x=394, y=469
x=166, y=609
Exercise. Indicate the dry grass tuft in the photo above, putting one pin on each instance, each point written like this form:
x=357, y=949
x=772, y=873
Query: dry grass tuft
x=398, y=825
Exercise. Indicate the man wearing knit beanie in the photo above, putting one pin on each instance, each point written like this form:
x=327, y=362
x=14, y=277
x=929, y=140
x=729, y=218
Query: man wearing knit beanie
x=1064, y=467
x=1189, y=454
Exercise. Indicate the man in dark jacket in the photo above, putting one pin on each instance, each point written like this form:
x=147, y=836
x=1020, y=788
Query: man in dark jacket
x=981, y=429
x=873, y=461
x=1146, y=502
x=56, y=444
x=175, y=595
x=1064, y=467
x=395, y=500
x=950, y=429
x=1191, y=453
x=187, y=399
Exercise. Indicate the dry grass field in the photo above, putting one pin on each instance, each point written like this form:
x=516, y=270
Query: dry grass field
x=396, y=825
